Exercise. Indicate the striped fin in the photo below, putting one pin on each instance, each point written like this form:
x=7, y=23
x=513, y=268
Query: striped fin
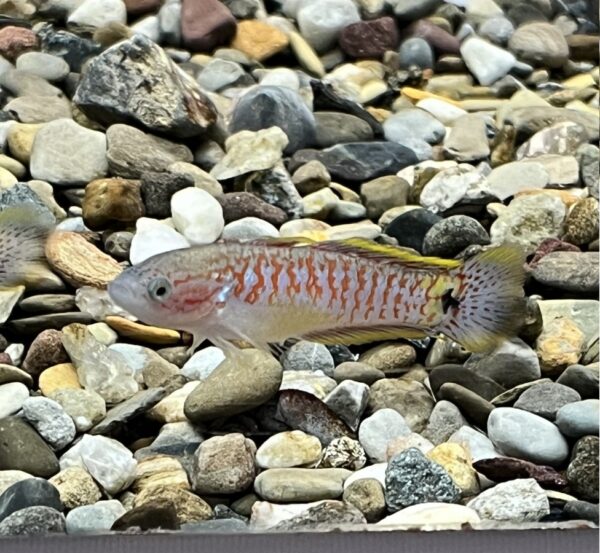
x=23, y=232
x=363, y=335
x=490, y=305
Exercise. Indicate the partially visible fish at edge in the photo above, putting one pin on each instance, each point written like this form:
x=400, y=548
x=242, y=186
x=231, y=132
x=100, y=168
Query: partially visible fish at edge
x=337, y=292
x=23, y=233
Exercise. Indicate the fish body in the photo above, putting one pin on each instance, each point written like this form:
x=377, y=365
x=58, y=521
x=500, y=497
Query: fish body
x=338, y=292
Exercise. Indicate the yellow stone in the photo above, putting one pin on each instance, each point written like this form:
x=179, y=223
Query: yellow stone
x=305, y=54
x=259, y=40
x=580, y=81
x=456, y=460
x=12, y=165
x=482, y=104
x=143, y=333
x=578, y=105
x=416, y=94
x=20, y=139
x=79, y=261
x=59, y=377
x=559, y=345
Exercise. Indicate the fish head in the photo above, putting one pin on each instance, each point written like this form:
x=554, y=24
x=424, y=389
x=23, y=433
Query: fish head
x=175, y=289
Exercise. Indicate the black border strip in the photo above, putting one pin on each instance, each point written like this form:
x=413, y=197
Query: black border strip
x=495, y=541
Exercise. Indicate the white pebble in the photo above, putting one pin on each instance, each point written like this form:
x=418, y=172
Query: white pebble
x=197, y=215
x=152, y=239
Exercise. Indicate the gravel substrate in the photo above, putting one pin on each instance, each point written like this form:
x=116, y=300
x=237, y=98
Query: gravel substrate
x=143, y=126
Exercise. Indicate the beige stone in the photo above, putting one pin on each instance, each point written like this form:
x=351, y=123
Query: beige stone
x=143, y=333
x=188, y=506
x=79, y=261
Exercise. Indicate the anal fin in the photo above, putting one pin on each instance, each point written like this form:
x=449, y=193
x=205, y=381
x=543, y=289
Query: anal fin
x=362, y=335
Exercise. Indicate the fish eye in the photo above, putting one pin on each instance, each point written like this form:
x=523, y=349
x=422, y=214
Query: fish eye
x=159, y=289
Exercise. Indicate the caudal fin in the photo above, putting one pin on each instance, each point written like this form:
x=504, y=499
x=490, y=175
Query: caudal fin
x=23, y=232
x=489, y=304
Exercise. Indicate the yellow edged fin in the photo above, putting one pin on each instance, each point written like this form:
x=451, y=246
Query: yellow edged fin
x=384, y=253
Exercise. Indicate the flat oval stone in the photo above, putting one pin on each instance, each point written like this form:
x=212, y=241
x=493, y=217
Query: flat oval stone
x=579, y=418
x=296, y=484
x=23, y=449
x=525, y=435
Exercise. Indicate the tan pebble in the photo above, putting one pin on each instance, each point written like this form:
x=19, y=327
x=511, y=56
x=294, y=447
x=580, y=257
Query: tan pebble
x=112, y=201
x=143, y=333
x=188, y=506
x=59, y=377
x=259, y=40
x=80, y=262
x=159, y=470
x=76, y=487
x=20, y=139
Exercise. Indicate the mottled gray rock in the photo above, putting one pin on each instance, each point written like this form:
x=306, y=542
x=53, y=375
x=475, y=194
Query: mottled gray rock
x=520, y=500
x=135, y=81
x=411, y=478
x=582, y=472
x=452, y=235
x=50, y=420
x=546, y=399
x=570, y=271
x=33, y=521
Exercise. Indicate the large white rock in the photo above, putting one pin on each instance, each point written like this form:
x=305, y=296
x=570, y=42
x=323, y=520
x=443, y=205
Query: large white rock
x=99, y=13
x=485, y=60
x=153, y=237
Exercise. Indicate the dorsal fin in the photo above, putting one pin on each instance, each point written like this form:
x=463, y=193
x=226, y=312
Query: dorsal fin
x=366, y=249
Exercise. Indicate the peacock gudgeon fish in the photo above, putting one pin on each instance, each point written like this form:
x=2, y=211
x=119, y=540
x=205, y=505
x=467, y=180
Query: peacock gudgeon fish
x=337, y=292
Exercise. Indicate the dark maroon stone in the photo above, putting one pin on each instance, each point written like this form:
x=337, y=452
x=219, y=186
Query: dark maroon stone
x=206, y=24
x=237, y=205
x=45, y=351
x=441, y=41
x=502, y=469
x=303, y=411
x=369, y=39
x=551, y=245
